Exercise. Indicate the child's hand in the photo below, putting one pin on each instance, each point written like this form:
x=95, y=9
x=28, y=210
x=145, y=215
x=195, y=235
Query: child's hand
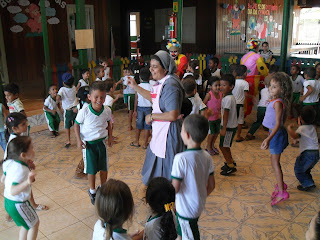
x=81, y=145
x=75, y=110
x=110, y=141
x=209, y=112
x=131, y=82
x=223, y=132
x=134, y=114
x=53, y=112
x=302, y=98
x=31, y=177
x=291, y=125
x=265, y=144
x=31, y=165
x=148, y=119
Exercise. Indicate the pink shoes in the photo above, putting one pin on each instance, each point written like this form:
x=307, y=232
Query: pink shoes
x=281, y=196
x=276, y=190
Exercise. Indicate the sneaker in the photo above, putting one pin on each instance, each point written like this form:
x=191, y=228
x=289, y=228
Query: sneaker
x=276, y=190
x=281, y=196
x=216, y=150
x=228, y=171
x=225, y=166
x=306, y=189
x=92, y=197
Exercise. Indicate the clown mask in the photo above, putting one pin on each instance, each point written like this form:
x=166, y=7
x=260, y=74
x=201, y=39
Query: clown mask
x=174, y=52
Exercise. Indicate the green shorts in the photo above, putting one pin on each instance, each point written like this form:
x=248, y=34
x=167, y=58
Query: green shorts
x=226, y=141
x=295, y=97
x=129, y=99
x=22, y=213
x=214, y=126
x=95, y=157
x=188, y=228
x=69, y=117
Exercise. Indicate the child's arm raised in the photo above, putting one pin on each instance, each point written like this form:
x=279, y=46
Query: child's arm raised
x=211, y=184
x=207, y=98
x=16, y=189
x=278, y=107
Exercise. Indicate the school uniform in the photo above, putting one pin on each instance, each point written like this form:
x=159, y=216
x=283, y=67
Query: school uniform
x=297, y=85
x=53, y=120
x=313, y=98
x=117, y=234
x=69, y=102
x=83, y=83
x=128, y=93
x=15, y=106
x=93, y=128
x=144, y=107
x=240, y=87
x=197, y=104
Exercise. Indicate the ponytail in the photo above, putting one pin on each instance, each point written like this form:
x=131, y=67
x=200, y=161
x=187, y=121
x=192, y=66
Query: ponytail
x=168, y=229
x=194, y=64
x=108, y=231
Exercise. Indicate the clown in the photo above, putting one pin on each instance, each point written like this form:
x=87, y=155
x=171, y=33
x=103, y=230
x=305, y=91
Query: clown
x=181, y=60
x=253, y=61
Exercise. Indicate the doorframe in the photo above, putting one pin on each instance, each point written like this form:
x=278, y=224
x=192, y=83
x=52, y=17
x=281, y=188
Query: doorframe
x=3, y=56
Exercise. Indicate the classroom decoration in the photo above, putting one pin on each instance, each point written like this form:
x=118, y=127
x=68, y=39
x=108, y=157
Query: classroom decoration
x=235, y=11
x=27, y=15
x=84, y=38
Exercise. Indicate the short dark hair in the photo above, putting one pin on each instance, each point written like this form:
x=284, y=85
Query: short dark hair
x=197, y=126
x=215, y=60
x=206, y=74
x=229, y=78
x=97, y=68
x=265, y=43
x=145, y=74
x=109, y=83
x=84, y=70
x=308, y=114
x=11, y=88
x=212, y=80
x=83, y=92
x=311, y=72
x=240, y=70
x=274, y=68
x=232, y=67
x=50, y=86
x=18, y=145
x=186, y=107
x=189, y=84
x=98, y=85
x=103, y=59
x=297, y=67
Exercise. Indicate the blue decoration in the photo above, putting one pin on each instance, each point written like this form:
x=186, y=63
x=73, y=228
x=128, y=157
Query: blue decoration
x=50, y=12
x=20, y=18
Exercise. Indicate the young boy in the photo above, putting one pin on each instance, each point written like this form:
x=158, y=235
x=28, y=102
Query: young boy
x=50, y=111
x=142, y=108
x=311, y=90
x=309, y=148
x=128, y=93
x=213, y=66
x=229, y=123
x=104, y=62
x=240, y=92
x=94, y=122
x=11, y=93
x=99, y=72
x=84, y=81
x=192, y=177
x=297, y=86
x=190, y=87
x=67, y=96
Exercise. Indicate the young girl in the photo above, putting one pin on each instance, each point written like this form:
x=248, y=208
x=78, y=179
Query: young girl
x=114, y=206
x=85, y=73
x=17, y=124
x=194, y=70
x=17, y=192
x=280, y=90
x=213, y=101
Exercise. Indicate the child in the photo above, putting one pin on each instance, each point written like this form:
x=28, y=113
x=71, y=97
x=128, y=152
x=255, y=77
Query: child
x=213, y=101
x=3, y=115
x=192, y=176
x=129, y=94
x=297, y=86
x=229, y=123
x=85, y=73
x=213, y=66
x=190, y=87
x=99, y=72
x=206, y=74
x=17, y=192
x=263, y=103
x=311, y=90
x=104, y=62
x=240, y=92
x=50, y=111
x=142, y=108
x=11, y=92
x=114, y=207
x=280, y=90
x=93, y=123
x=265, y=52
x=67, y=96
x=309, y=148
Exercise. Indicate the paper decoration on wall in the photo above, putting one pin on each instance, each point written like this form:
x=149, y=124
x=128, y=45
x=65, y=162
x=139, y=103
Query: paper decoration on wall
x=271, y=25
x=280, y=27
x=229, y=25
x=261, y=28
x=272, y=34
x=276, y=35
x=235, y=11
x=27, y=16
x=84, y=38
x=243, y=37
x=252, y=22
x=224, y=18
x=249, y=30
x=243, y=24
x=265, y=18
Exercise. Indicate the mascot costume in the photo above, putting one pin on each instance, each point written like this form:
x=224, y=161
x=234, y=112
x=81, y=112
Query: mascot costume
x=181, y=60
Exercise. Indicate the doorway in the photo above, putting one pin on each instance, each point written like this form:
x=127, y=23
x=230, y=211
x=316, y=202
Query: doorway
x=135, y=35
x=4, y=77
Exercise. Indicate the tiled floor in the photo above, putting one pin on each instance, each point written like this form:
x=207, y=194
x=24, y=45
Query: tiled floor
x=239, y=207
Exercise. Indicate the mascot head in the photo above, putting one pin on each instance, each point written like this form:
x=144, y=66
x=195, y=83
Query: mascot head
x=173, y=46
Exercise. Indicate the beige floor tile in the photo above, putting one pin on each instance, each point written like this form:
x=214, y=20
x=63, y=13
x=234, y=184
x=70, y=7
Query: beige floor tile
x=44, y=200
x=13, y=233
x=244, y=232
x=55, y=221
x=52, y=185
x=90, y=221
x=81, y=209
x=67, y=195
x=217, y=225
x=293, y=232
x=77, y=231
x=36, y=192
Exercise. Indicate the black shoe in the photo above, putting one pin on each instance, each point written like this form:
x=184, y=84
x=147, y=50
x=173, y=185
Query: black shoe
x=92, y=197
x=228, y=171
x=306, y=189
x=225, y=166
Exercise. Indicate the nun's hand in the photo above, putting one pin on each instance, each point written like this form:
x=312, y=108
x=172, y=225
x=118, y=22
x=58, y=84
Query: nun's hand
x=131, y=82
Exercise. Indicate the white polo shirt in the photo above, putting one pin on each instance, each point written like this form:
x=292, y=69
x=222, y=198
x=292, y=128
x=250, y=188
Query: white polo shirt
x=297, y=84
x=142, y=102
x=68, y=97
x=308, y=138
x=109, y=101
x=93, y=125
x=192, y=167
x=238, y=91
x=50, y=103
x=15, y=106
x=16, y=172
x=314, y=96
x=229, y=103
x=83, y=83
x=197, y=104
x=128, y=89
x=265, y=97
